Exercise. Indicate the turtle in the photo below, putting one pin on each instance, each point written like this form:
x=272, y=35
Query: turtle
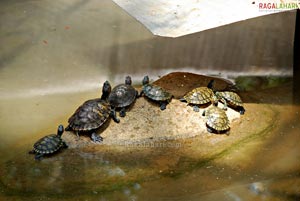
x=200, y=96
x=49, y=144
x=92, y=114
x=156, y=93
x=122, y=96
x=217, y=120
x=231, y=99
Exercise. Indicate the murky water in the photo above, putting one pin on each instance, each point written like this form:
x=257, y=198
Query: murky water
x=56, y=54
x=264, y=166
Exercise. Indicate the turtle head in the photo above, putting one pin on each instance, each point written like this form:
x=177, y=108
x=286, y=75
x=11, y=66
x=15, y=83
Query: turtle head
x=210, y=85
x=146, y=80
x=106, y=89
x=215, y=99
x=128, y=80
x=60, y=130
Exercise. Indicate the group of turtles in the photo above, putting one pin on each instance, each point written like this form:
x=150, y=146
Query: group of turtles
x=92, y=114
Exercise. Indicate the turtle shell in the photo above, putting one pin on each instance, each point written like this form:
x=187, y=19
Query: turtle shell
x=90, y=115
x=217, y=119
x=232, y=98
x=48, y=144
x=199, y=96
x=156, y=93
x=122, y=95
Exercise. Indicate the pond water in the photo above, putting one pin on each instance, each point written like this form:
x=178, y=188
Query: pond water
x=261, y=166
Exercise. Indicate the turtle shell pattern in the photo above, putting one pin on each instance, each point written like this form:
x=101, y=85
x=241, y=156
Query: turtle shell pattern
x=199, y=96
x=122, y=95
x=217, y=119
x=48, y=144
x=156, y=93
x=90, y=115
x=232, y=98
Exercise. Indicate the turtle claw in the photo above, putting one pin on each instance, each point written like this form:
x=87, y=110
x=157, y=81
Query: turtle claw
x=163, y=106
x=38, y=157
x=196, y=108
x=122, y=112
x=242, y=111
x=209, y=130
x=96, y=138
x=31, y=152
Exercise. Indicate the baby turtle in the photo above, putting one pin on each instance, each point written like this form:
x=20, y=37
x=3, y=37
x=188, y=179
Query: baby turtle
x=156, y=93
x=49, y=144
x=92, y=114
x=217, y=120
x=231, y=99
x=200, y=96
x=122, y=96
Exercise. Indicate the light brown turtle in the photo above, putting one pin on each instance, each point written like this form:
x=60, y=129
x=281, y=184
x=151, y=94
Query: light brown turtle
x=217, y=120
x=200, y=96
x=231, y=99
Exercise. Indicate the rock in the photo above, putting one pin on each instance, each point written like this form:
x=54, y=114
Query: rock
x=179, y=83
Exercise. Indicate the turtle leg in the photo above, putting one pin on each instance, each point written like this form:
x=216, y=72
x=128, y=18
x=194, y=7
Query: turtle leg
x=38, y=156
x=123, y=112
x=76, y=132
x=209, y=130
x=64, y=144
x=196, y=108
x=137, y=94
x=31, y=152
x=114, y=116
x=182, y=99
x=163, y=105
x=242, y=110
x=68, y=128
x=96, y=138
x=203, y=113
x=225, y=104
x=141, y=93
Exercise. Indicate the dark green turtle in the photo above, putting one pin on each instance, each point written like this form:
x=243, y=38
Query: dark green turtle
x=217, y=120
x=200, y=96
x=49, y=144
x=92, y=114
x=122, y=96
x=156, y=93
x=231, y=99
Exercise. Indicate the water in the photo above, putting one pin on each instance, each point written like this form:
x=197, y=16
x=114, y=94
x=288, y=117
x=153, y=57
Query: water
x=55, y=56
x=262, y=166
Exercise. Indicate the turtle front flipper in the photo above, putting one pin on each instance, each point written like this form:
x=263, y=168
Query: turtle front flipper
x=114, y=116
x=96, y=138
x=123, y=112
